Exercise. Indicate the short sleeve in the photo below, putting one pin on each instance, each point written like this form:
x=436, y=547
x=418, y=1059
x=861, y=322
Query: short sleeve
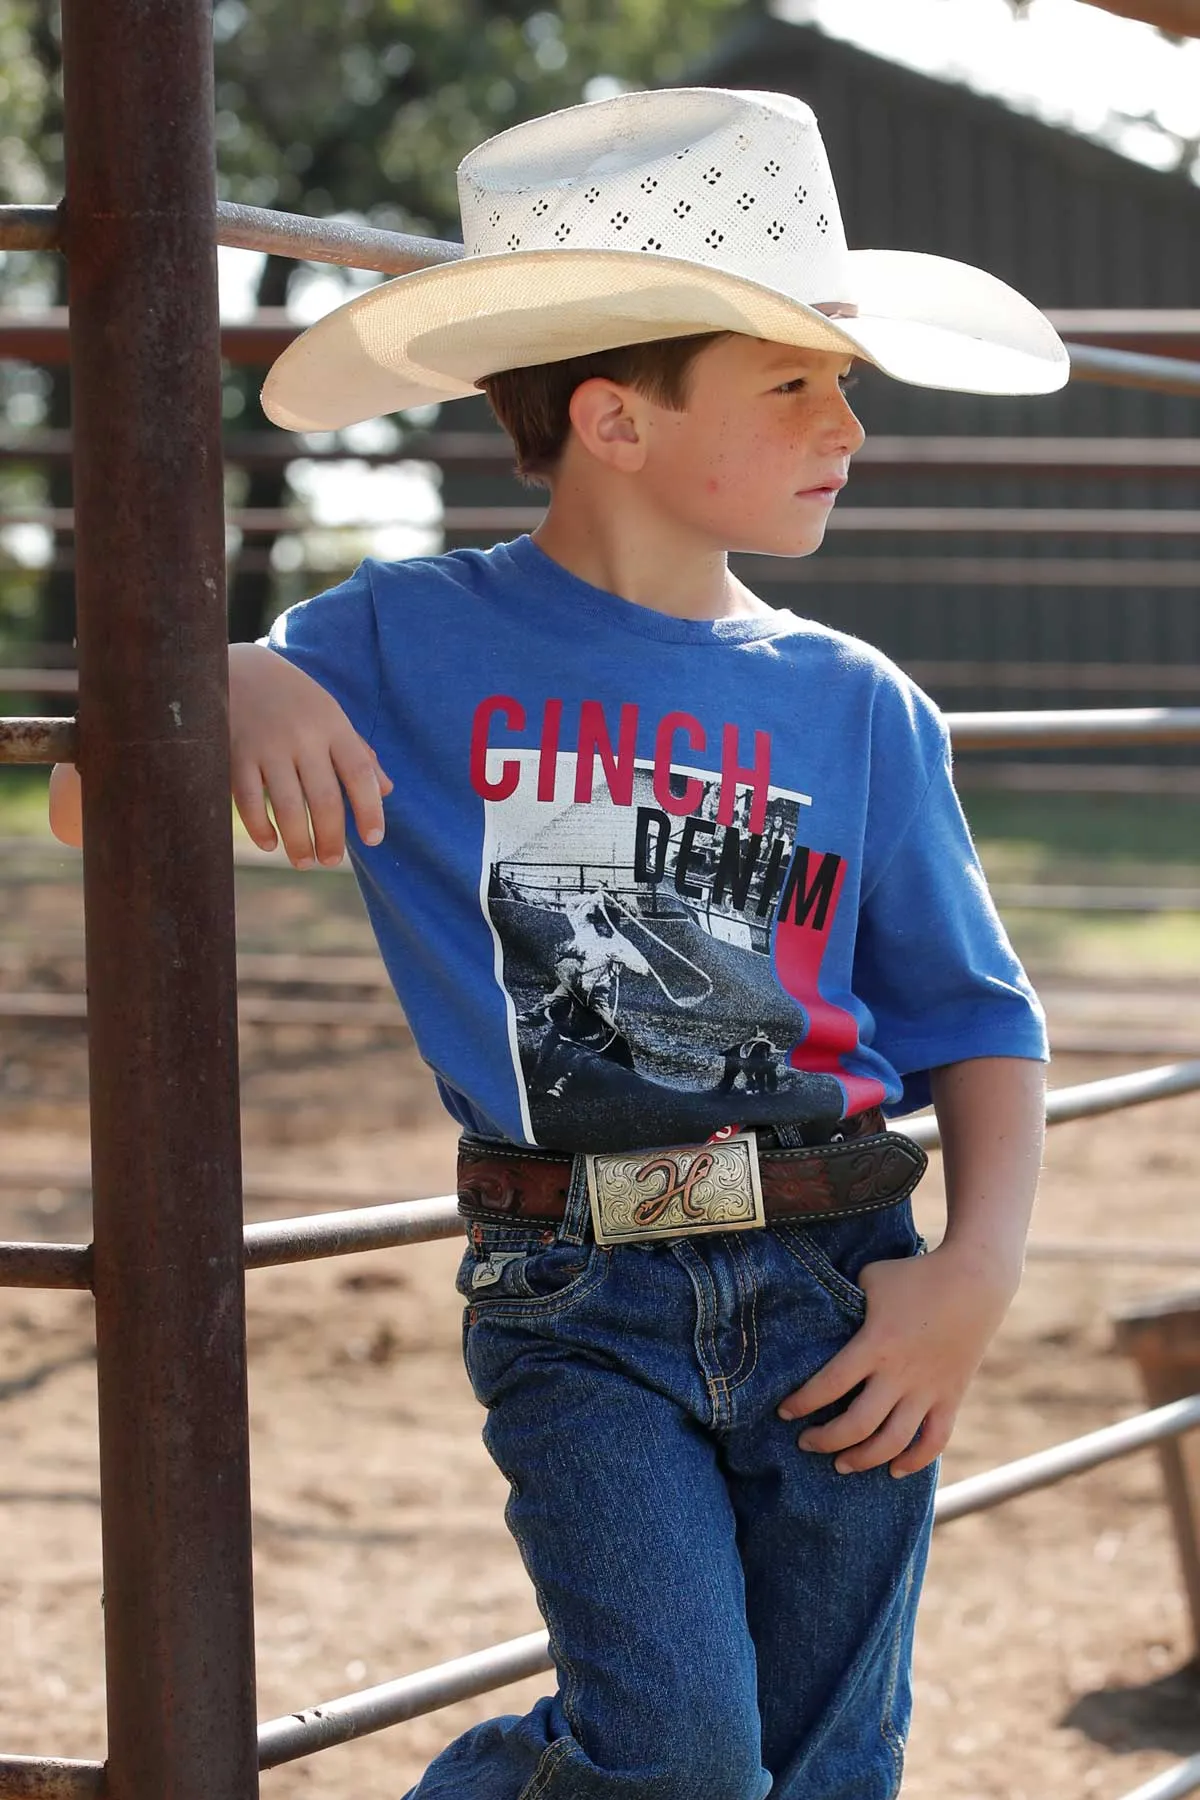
x=335, y=639
x=932, y=959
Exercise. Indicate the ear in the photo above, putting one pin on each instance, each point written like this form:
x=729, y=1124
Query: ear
x=606, y=419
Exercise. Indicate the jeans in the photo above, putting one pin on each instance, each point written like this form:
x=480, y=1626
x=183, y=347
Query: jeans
x=728, y=1616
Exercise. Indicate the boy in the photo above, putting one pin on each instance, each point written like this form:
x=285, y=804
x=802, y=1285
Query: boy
x=678, y=899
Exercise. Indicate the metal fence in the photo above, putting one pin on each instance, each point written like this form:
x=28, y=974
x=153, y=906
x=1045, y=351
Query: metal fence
x=169, y=1250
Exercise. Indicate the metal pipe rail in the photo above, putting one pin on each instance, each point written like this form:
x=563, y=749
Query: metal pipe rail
x=1030, y=521
x=1036, y=521
x=1172, y=1784
x=353, y=245
x=54, y=740
x=1085, y=726
x=356, y=1715
x=271, y=1243
x=490, y=452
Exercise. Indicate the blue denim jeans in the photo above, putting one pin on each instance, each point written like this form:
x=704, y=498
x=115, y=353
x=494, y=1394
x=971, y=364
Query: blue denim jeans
x=728, y=1616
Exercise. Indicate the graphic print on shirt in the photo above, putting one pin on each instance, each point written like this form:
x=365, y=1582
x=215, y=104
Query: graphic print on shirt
x=658, y=934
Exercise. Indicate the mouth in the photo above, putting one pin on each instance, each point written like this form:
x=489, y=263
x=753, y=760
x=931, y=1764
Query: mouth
x=827, y=491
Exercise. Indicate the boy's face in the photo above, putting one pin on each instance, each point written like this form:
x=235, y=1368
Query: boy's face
x=756, y=458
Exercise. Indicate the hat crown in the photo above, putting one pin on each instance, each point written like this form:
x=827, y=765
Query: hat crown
x=738, y=181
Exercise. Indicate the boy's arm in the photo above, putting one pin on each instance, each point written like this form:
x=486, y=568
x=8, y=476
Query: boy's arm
x=290, y=742
x=66, y=805
x=930, y=1318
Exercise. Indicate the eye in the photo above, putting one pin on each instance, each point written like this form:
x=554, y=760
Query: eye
x=791, y=387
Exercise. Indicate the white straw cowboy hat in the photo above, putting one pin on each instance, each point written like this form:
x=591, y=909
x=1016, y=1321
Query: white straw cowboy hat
x=654, y=215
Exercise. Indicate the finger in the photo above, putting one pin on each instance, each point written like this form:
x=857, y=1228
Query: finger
x=251, y=802
x=935, y=1432
x=326, y=808
x=851, y=1365
x=359, y=773
x=386, y=784
x=865, y=1414
x=895, y=1434
x=291, y=814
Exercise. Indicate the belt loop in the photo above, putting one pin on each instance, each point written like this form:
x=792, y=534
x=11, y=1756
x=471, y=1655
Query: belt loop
x=578, y=1213
x=789, y=1137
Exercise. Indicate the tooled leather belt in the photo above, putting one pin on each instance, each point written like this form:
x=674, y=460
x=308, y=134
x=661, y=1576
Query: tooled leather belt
x=871, y=1169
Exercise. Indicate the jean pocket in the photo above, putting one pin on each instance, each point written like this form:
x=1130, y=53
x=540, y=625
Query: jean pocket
x=835, y=1251
x=520, y=1267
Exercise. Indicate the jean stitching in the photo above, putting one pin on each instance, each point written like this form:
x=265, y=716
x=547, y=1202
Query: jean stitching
x=809, y=1255
x=741, y=1261
x=712, y=1362
x=714, y=1379
x=887, y=1731
x=547, y=1305
x=547, y=1765
x=554, y=1752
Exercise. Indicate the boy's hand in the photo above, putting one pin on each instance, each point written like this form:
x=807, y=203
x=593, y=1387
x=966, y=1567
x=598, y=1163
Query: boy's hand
x=291, y=742
x=929, y=1321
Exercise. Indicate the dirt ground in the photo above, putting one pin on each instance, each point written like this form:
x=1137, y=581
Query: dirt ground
x=1053, y=1643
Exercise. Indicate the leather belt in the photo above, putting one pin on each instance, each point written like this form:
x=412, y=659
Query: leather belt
x=871, y=1169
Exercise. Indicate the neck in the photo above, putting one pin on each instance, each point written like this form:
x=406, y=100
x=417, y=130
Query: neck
x=604, y=532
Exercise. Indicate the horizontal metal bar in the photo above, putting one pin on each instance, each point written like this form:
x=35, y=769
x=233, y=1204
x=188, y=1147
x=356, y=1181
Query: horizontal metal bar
x=339, y=241
x=1093, y=677
x=50, y=1778
x=1033, y=521
x=345, y=1233
x=392, y=1702
x=1083, y=726
x=1078, y=778
x=1172, y=1784
x=890, y=571
x=1123, y=1250
x=1183, y=678
x=889, y=455
x=30, y=228
x=1089, y=1098
x=350, y=1716
x=1131, y=327
x=990, y=570
x=385, y=1016
x=1044, y=897
x=373, y=1709
x=381, y=1014
x=53, y=740
x=1129, y=368
x=45, y=1266
x=37, y=740
x=1045, y=1467
x=39, y=681
x=1064, y=521
x=356, y=1228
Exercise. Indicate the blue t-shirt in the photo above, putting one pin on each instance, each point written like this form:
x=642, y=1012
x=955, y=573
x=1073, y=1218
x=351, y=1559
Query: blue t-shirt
x=644, y=876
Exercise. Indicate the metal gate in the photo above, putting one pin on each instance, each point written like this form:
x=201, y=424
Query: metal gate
x=139, y=226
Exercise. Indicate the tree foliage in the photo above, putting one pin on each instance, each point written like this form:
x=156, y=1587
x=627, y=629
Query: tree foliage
x=369, y=105
x=338, y=106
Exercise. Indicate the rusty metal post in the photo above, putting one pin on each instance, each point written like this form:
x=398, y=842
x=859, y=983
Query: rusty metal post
x=158, y=893
x=1163, y=1337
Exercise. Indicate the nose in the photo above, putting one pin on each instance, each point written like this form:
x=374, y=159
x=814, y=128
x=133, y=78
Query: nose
x=845, y=430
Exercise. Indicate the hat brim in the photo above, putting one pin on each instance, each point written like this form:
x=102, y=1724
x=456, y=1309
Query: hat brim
x=434, y=334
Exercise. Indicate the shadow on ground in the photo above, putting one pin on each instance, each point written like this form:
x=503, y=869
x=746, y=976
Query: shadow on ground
x=1160, y=1715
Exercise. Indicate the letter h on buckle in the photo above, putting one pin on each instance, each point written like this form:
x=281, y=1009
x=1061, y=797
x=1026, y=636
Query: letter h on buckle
x=677, y=1191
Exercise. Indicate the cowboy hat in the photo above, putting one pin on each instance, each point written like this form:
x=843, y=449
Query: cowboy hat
x=653, y=215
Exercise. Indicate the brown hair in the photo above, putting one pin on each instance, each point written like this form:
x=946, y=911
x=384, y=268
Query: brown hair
x=532, y=404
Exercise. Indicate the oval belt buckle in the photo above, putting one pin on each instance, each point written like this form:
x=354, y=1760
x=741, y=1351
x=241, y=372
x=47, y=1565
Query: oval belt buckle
x=676, y=1191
